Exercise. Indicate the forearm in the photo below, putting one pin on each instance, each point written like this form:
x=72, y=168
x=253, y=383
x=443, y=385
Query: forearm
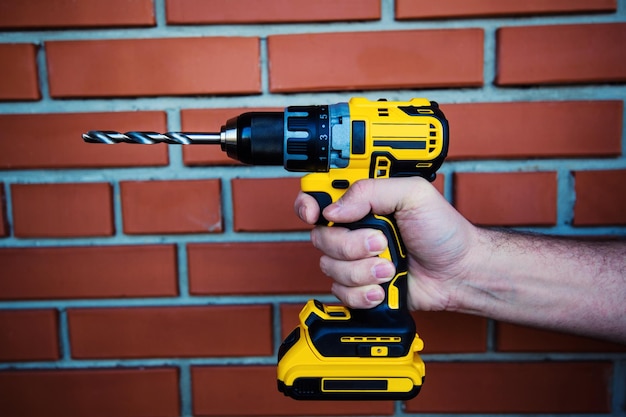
x=548, y=282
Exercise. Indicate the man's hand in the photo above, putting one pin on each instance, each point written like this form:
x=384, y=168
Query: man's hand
x=438, y=240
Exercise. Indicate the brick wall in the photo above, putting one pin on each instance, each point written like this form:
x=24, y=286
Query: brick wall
x=159, y=281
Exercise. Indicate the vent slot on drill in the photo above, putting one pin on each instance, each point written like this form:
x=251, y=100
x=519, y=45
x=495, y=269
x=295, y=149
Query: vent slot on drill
x=383, y=164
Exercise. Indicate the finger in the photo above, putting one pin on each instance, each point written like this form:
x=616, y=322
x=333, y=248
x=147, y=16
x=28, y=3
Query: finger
x=344, y=244
x=359, y=297
x=307, y=208
x=358, y=273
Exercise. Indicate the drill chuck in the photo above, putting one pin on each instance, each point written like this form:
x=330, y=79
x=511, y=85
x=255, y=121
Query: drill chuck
x=255, y=138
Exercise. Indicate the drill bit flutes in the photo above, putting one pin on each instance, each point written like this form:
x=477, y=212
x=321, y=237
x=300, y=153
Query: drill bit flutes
x=148, y=138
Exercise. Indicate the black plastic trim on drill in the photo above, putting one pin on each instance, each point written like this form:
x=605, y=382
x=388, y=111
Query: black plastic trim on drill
x=340, y=184
x=406, y=168
x=289, y=342
x=323, y=200
x=307, y=139
x=401, y=144
x=415, y=110
x=260, y=138
x=358, y=137
x=355, y=384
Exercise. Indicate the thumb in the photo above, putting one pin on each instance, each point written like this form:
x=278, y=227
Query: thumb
x=381, y=196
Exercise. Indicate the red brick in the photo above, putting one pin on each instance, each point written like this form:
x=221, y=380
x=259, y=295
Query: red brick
x=439, y=182
x=600, y=198
x=69, y=13
x=569, y=54
x=210, y=120
x=412, y=9
x=171, y=331
x=153, y=67
x=535, y=129
x=217, y=391
x=445, y=332
x=62, y=210
x=269, y=11
x=525, y=387
x=151, y=392
x=366, y=61
x=191, y=206
x=88, y=272
x=18, y=73
x=265, y=205
x=515, y=338
x=4, y=224
x=289, y=318
x=28, y=335
x=507, y=199
x=54, y=140
x=255, y=268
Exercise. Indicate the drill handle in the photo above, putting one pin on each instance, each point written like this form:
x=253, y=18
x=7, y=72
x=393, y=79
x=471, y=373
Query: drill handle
x=396, y=290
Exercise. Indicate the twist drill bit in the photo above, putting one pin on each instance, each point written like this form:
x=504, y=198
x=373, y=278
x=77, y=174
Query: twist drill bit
x=234, y=138
x=148, y=138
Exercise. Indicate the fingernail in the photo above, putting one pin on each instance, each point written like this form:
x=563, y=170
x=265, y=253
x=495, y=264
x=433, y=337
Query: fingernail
x=376, y=243
x=383, y=270
x=375, y=295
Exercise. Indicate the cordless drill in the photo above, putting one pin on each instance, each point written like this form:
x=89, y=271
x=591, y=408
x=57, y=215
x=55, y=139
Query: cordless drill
x=337, y=352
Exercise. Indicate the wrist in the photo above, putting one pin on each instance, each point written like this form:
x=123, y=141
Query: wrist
x=483, y=284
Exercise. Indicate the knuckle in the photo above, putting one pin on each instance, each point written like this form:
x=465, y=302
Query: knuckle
x=354, y=246
x=348, y=251
x=359, y=188
x=352, y=299
x=358, y=277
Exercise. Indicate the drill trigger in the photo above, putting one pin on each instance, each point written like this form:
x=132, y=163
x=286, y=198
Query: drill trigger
x=323, y=200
